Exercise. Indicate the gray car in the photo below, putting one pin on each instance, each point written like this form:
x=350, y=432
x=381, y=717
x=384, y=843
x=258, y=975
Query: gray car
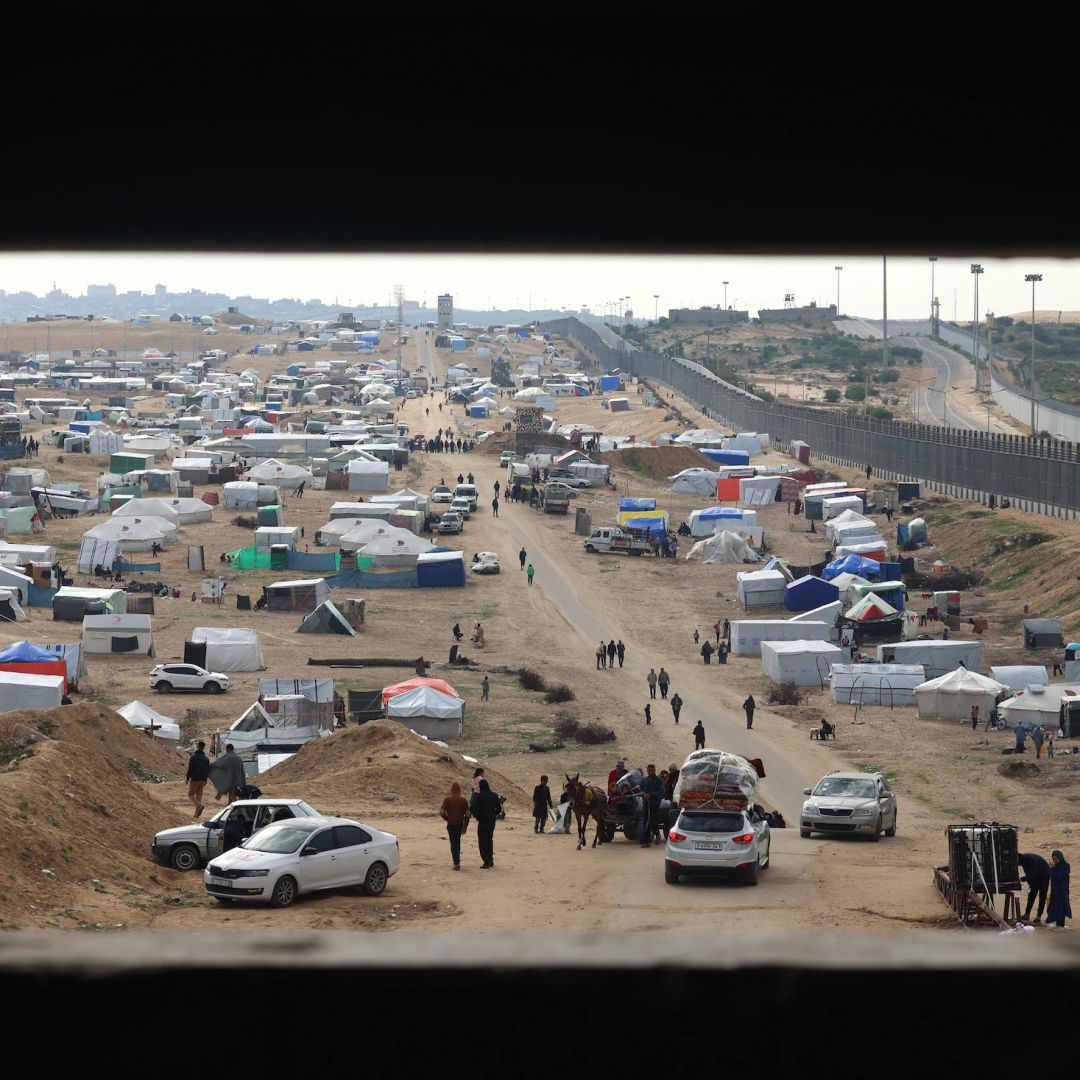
x=850, y=802
x=190, y=846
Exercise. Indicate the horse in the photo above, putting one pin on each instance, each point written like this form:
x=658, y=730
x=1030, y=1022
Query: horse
x=588, y=802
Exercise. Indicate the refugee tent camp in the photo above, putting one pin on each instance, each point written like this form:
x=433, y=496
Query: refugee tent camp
x=142, y=716
x=304, y=595
x=802, y=662
x=117, y=635
x=429, y=712
x=951, y=696
x=876, y=684
x=326, y=619
x=219, y=648
x=21, y=691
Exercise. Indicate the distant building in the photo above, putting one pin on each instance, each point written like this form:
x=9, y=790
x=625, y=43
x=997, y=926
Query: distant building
x=813, y=313
x=100, y=292
x=708, y=315
x=445, y=317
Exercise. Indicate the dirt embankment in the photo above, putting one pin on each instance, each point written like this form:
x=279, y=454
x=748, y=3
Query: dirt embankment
x=656, y=462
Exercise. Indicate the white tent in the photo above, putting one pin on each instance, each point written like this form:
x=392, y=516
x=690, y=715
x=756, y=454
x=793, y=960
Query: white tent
x=695, y=481
x=760, y=588
x=750, y=441
x=268, y=536
x=240, y=495
x=835, y=506
x=10, y=609
x=700, y=437
x=139, y=715
x=11, y=579
x=131, y=534
x=951, y=696
x=368, y=475
x=149, y=508
x=712, y=519
x=723, y=547
x=429, y=712
x=1020, y=677
x=1040, y=705
x=876, y=684
x=868, y=547
x=827, y=613
x=23, y=691
x=230, y=648
x=279, y=474
x=845, y=583
x=749, y=635
x=117, y=635
x=23, y=554
x=804, y=663
x=758, y=490
x=190, y=511
x=938, y=657
x=395, y=550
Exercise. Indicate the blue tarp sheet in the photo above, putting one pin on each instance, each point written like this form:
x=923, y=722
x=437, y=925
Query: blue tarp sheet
x=367, y=579
x=852, y=564
x=651, y=526
x=23, y=652
x=808, y=593
x=311, y=560
x=901, y=535
x=721, y=512
x=39, y=597
x=609, y=382
x=637, y=504
x=139, y=568
x=727, y=457
x=446, y=574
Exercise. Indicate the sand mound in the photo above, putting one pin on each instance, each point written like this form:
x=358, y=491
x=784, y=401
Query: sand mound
x=1062, y=772
x=656, y=462
x=381, y=757
x=77, y=822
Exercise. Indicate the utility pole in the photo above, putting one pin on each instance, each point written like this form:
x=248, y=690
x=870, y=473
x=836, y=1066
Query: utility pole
x=656, y=307
x=1032, y=278
x=976, y=270
x=725, y=294
x=884, y=312
x=933, y=267
x=838, y=269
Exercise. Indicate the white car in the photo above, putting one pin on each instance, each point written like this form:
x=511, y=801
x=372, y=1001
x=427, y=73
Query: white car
x=487, y=562
x=506, y=457
x=283, y=861
x=166, y=678
x=440, y=493
x=733, y=843
x=412, y=395
x=461, y=505
x=850, y=802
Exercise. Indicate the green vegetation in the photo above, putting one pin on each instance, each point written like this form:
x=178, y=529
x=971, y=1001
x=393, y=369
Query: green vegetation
x=855, y=392
x=1057, y=356
x=832, y=395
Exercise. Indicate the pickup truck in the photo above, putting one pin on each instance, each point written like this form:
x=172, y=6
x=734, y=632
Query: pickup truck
x=557, y=498
x=612, y=538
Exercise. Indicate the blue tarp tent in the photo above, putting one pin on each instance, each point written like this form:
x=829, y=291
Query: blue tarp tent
x=609, y=382
x=852, y=564
x=721, y=512
x=651, y=526
x=807, y=593
x=727, y=457
x=440, y=569
x=26, y=652
x=637, y=504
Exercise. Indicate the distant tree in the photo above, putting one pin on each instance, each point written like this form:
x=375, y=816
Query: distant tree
x=879, y=413
x=832, y=395
x=889, y=375
x=855, y=392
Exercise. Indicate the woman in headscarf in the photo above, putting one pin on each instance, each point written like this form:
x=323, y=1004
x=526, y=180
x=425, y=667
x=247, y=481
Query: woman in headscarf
x=486, y=814
x=1058, y=910
x=455, y=812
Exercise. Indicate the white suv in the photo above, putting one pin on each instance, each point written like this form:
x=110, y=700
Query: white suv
x=166, y=678
x=721, y=843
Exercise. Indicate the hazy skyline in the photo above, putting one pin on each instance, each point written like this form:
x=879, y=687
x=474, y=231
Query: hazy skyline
x=502, y=282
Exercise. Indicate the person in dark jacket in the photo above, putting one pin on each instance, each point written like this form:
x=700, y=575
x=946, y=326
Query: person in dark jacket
x=699, y=736
x=652, y=787
x=748, y=707
x=676, y=706
x=611, y=650
x=227, y=773
x=1059, y=909
x=198, y=772
x=1036, y=872
x=486, y=812
x=541, y=804
x=663, y=680
x=707, y=651
x=620, y=650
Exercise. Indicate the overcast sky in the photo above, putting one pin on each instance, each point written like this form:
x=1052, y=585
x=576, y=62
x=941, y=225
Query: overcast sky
x=487, y=282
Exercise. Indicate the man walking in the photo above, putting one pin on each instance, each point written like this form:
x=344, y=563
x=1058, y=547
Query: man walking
x=227, y=773
x=495, y=506
x=530, y=572
x=455, y=812
x=706, y=652
x=620, y=649
x=1036, y=872
x=300, y=489
x=198, y=771
x=541, y=804
x=748, y=707
x=601, y=656
x=522, y=557
x=699, y=736
x=663, y=680
x=651, y=680
x=652, y=787
x=611, y=653
x=676, y=706
x=485, y=688
x=648, y=714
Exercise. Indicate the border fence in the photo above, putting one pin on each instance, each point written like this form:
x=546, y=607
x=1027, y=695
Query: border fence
x=1038, y=475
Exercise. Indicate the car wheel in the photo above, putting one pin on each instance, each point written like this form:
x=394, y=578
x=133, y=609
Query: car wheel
x=751, y=875
x=764, y=863
x=804, y=833
x=590, y=549
x=376, y=878
x=891, y=830
x=184, y=857
x=877, y=832
x=284, y=893
x=671, y=876
x=163, y=687
x=212, y=688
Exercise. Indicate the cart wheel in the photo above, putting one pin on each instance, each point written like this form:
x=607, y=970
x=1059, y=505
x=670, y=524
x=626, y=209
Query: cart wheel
x=609, y=833
x=630, y=830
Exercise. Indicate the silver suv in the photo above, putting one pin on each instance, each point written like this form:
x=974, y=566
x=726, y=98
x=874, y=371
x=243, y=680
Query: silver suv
x=190, y=846
x=850, y=802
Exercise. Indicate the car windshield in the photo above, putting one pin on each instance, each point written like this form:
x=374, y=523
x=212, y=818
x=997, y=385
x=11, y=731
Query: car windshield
x=711, y=823
x=847, y=787
x=278, y=839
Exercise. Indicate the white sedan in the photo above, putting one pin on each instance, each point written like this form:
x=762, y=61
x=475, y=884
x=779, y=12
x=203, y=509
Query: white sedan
x=291, y=858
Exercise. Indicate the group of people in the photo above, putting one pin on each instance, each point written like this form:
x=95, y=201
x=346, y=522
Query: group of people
x=483, y=805
x=1040, y=739
x=449, y=444
x=1044, y=877
x=606, y=654
x=30, y=446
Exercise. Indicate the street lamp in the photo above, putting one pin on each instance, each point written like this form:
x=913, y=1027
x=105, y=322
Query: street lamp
x=656, y=307
x=944, y=402
x=838, y=269
x=976, y=270
x=933, y=267
x=920, y=383
x=1032, y=278
x=725, y=294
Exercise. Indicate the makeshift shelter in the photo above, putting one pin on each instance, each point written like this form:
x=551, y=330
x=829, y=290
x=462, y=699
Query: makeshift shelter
x=14, y=581
x=802, y=662
x=876, y=684
x=723, y=547
x=303, y=596
x=219, y=648
x=149, y=508
x=143, y=717
x=71, y=604
x=872, y=550
x=760, y=588
x=1043, y=634
x=10, y=608
x=637, y=504
x=441, y=685
x=870, y=609
x=1053, y=706
x=809, y=592
x=31, y=659
x=21, y=691
x=694, y=481
x=278, y=722
x=951, y=696
x=429, y=712
x=652, y=522
x=748, y=635
x=440, y=569
x=366, y=475
x=117, y=635
x=326, y=619
x=20, y=520
x=852, y=564
x=279, y=474
x=937, y=657
x=758, y=490
x=1018, y=677
x=240, y=495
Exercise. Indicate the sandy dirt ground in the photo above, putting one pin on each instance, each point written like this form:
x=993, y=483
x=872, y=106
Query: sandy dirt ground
x=943, y=773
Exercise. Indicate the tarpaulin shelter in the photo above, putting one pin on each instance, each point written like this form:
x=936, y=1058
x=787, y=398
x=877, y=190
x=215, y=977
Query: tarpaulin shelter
x=428, y=711
x=117, y=635
x=20, y=691
x=441, y=685
x=326, y=619
x=142, y=716
x=852, y=564
x=874, y=550
x=726, y=457
x=303, y=596
x=723, y=547
x=809, y=592
x=637, y=504
x=440, y=569
x=20, y=520
x=653, y=522
x=876, y=684
x=706, y=521
x=760, y=588
x=219, y=648
x=1043, y=634
x=951, y=696
x=937, y=657
x=803, y=662
x=71, y=604
x=32, y=659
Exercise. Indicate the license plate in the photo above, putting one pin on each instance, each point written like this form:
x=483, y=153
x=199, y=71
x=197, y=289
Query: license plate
x=709, y=845
x=220, y=881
